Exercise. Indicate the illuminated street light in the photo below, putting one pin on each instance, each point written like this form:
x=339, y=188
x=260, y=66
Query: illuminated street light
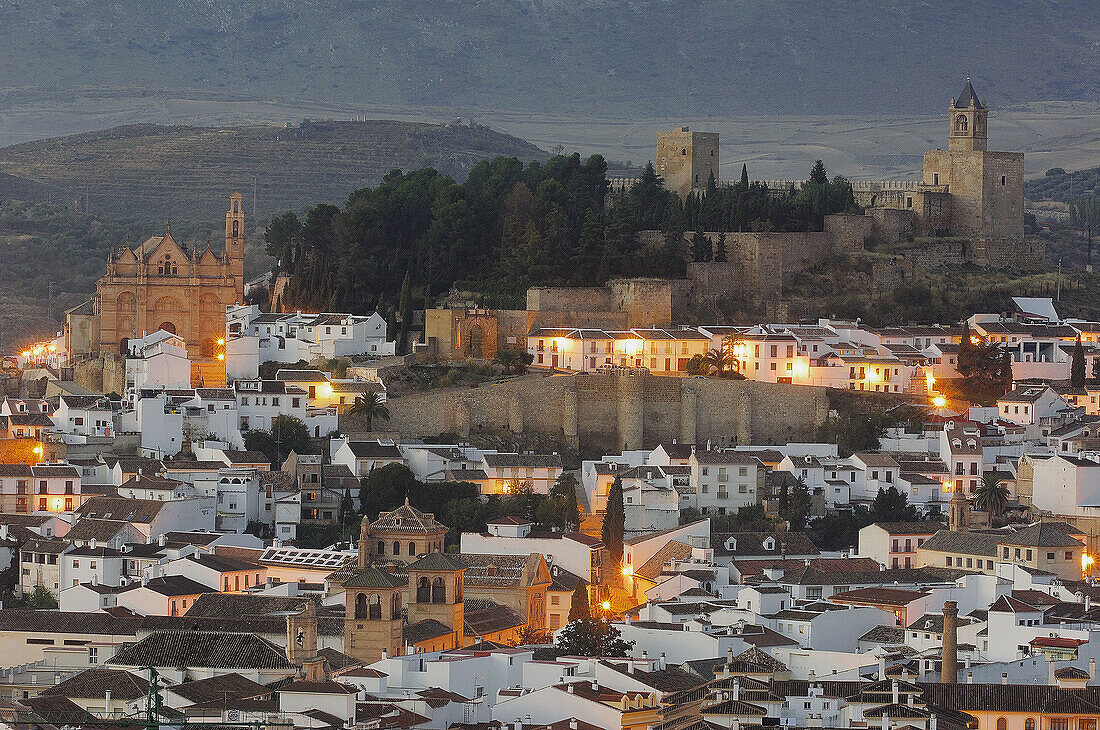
x=939, y=401
x=606, y=605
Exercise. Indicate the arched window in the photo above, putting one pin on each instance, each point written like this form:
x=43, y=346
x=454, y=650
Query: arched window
x=236, y=229
x=1029, y=724
x=683, y=152
x=381, y=547
x=396, y=547
x=961, y=125
x=423, y=591
x=412, y=548
x=395, y=607
x=458, y=588
x=439, y=591
x=375, y=607
x=1002, y=723
x=167, y=267
x=361, y=606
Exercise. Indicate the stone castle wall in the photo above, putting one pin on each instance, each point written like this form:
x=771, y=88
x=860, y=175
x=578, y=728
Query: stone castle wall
x=103, y=374
x=597, y=413
x=849, y=232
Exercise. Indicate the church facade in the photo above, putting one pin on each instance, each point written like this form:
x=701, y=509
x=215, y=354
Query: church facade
x=159, y=284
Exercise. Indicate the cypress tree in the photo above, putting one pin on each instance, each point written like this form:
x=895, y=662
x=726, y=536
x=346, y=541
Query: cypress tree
x=614, y=522
x=1077, y=365
x=720, y=253
x=744, y=176
x=700, y=247
x=579, y=608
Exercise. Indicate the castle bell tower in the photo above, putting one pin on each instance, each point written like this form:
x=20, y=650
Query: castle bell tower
x=234, y=242
x=968, y=117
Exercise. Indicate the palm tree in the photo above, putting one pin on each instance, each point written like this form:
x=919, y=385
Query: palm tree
x=717, y=361
x=992, y=495
x=369, y=407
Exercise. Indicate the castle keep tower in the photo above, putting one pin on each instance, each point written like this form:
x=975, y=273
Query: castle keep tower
x=968, y=117
x=686, y=160
x=986, y=189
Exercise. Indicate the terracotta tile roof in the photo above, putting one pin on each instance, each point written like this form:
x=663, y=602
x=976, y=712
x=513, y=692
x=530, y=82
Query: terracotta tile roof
x=202, y=649
x=93, y=682
x=407, y=519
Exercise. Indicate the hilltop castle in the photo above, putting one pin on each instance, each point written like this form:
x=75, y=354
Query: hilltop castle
x=160, y=285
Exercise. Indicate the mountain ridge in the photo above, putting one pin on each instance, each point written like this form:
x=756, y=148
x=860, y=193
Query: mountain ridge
x=600, y=57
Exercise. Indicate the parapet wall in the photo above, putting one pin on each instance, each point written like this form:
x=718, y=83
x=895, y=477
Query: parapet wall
x=599, y=413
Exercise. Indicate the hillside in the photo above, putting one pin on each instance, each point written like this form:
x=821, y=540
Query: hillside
x=155, y=172
x=1057, y=184
x=598, y=57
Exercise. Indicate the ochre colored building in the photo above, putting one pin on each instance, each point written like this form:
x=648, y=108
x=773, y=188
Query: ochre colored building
x=159, y=284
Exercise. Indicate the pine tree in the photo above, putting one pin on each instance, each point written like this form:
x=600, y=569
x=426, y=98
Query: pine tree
x=720, y=253
x=1077, y=365
x=818, y=175
x=744, y=177
x=614, y=522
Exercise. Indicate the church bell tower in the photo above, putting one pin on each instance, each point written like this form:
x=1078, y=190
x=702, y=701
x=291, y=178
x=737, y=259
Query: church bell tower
x=234, y=243
x=968, y=118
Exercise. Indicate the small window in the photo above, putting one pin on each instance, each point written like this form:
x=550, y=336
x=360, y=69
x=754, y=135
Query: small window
x=1004, y=180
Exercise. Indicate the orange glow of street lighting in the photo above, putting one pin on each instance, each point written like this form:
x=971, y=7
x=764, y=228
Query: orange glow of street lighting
x=606, y=605
x=939, y=401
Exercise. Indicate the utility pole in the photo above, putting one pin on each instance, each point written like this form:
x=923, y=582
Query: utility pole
x=1088, y=237
x=49, y=302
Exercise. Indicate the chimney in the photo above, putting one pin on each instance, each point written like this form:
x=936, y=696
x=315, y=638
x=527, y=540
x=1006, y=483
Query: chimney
x=950, y=663
x=95, y=579
x=736, y=690
x=885, y=721
x=932, y=721
x=107, y=701
x=595, y=686
x=1088, y=602
x=894, y=692
x=572, y=723
x=1004, y=677
x=385, y=654
x=144, y=579
x=970, y=677
x=661, y=661
x=630, y=666
x=161, y=540
x=1051, y=680
x=882, y=667
x=518, y=724
x=1092, y=669
x=569, y=688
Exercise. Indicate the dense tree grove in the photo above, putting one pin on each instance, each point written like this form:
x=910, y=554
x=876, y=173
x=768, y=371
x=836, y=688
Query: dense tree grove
x=507, y=227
